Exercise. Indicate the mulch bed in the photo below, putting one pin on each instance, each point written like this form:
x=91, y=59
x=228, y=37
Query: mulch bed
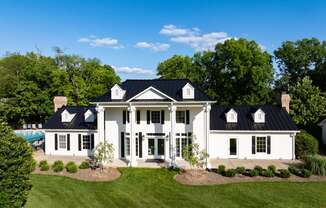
x=107, y=174
x=200, y=177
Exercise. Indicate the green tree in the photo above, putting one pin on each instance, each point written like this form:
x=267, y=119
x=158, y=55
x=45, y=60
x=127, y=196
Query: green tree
x=308, y=106
x=16, y=164
x=301, y=58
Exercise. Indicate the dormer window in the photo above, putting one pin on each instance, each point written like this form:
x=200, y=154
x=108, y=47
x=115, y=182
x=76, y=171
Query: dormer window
x=66, y=116
x=231, y=116
x=117, y=92
x=188, y=91
x=259, y=116
x=89, y=116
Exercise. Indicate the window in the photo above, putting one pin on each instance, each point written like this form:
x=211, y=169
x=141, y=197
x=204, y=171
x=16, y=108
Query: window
x=156, y=116
x=62, y=142
x=259, y=116
x=117, y=92
x=182, y=141
x=180, y=117
x=188, y=91
x=86, y=142
x=261, y=144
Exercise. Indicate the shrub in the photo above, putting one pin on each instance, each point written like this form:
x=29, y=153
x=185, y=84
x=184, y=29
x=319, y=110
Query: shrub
x=240, y=170
x=305, y=144
x=259, y=169
x=316, y=164
x=44, y=166
x=71, y=167
x=294, y=170
x=34, y=165
x=306, y=173
x=253, y=173
x=272, y=168
x=58, y=166
x=84, y=165
x=221, y=169
x=230, y=173
x=16, y=164
x=284, y=173
x=268, y=173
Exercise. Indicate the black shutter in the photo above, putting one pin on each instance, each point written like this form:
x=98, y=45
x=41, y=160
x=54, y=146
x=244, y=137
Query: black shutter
x=253, y=144
x=268, y=144
x=148, y=117
x=92, y=141
x=124, y=117
x=68, y=142
x=122, y=140
x=140, y=145
x=79, y=142
x=187, y=116
x=56, y=141
x=128, y=116
x=138, y=117
x=162, y=116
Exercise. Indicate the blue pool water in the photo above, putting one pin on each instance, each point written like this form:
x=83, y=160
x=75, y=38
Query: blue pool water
x=30, y=136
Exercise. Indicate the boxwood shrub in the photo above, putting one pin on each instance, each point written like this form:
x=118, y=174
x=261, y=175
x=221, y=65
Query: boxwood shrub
x=305, y=144
x=284, y=173
x=221, y=169
x=84, y=165
x=240, y=169
x=316, y=164
x=58, y=166
x=230, y=173
x=44, y=166
x=306, y=173
x=272, y=168
x=71, y=167
x=268, y=173
x=259, y=169
x=253, y=173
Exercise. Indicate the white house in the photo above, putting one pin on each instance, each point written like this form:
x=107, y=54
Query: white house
x=156, y=119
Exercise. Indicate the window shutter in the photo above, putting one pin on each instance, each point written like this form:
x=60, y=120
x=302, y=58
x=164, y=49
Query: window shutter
x=140, y=144
x=128, y=116
x=79, y=142
x=92, y=141
x=268, y=144
x=162, y=116
x=253, y=145
x=56, y=141
x=68, y=142
x=122, y=140
x=138, y=117
x=187, y=116
x=124, y=117
x=148, y=117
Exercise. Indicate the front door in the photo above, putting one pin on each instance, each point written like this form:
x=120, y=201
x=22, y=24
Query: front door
x=233, y=148
x=155, y=148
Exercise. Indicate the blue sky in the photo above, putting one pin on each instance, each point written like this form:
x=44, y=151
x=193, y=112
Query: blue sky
x=134, y=36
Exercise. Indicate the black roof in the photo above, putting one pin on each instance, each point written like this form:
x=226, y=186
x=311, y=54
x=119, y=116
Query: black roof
x=170, y=87
x=276, y=118
x=78, y=122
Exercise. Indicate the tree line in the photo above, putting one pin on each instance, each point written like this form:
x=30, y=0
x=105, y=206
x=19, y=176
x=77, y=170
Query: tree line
x=237, y=72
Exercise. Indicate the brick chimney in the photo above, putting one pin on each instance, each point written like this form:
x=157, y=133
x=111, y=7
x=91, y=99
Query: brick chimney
x=285, y=101
x=59, y=101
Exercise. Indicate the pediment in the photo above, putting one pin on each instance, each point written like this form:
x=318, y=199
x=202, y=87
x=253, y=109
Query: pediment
x=151, y=93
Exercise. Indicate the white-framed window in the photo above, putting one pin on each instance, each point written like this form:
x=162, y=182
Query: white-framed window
x=188, y=91
x=180, y=116
x=182, y=141
x=62, y=141
x=117, y=92
x=86, y=142
x=261, y=144
x=156, y=116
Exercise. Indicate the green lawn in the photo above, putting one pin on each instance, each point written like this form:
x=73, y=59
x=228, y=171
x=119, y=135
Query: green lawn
x=157, y=188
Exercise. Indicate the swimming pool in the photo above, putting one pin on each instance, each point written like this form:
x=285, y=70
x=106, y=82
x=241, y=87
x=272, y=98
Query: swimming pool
x=30, y=135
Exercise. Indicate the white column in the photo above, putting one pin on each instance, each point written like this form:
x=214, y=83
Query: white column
x=172, y=135
x=133, y=161
x=207, y=110
x=100, y=123
x=293, y=146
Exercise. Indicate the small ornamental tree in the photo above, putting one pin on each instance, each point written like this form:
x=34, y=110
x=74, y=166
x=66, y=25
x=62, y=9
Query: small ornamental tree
x=197, y=158
x=16, y=164
x=103, y=153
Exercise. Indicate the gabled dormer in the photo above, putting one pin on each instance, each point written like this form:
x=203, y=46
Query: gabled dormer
x=89, y=116
x=259, y=116
x=117, y=92
x=66, y=116
x=231, y=116
x=188, y=91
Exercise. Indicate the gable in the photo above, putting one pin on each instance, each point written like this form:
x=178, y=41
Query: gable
x=151, y=94
x=231, y=116
x=259, y=116
x=188, y=92
x=89, y=116
x=117, y=92
x=66, y=116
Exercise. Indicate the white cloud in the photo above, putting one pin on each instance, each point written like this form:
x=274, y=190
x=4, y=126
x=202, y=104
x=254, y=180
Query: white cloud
x=101, y=42
x=194, y=38
x=133, y=70
x=157, y=47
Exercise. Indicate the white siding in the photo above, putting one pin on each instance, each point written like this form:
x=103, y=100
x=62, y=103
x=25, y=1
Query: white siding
x=281, y=145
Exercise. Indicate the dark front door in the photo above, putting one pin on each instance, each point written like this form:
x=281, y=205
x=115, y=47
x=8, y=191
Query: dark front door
x=233, y=146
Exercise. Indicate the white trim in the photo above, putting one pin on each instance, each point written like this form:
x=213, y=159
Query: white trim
x=70, y=130
x=151, y=88
x=253, y=131
x=127, y=103
x=237, y=148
